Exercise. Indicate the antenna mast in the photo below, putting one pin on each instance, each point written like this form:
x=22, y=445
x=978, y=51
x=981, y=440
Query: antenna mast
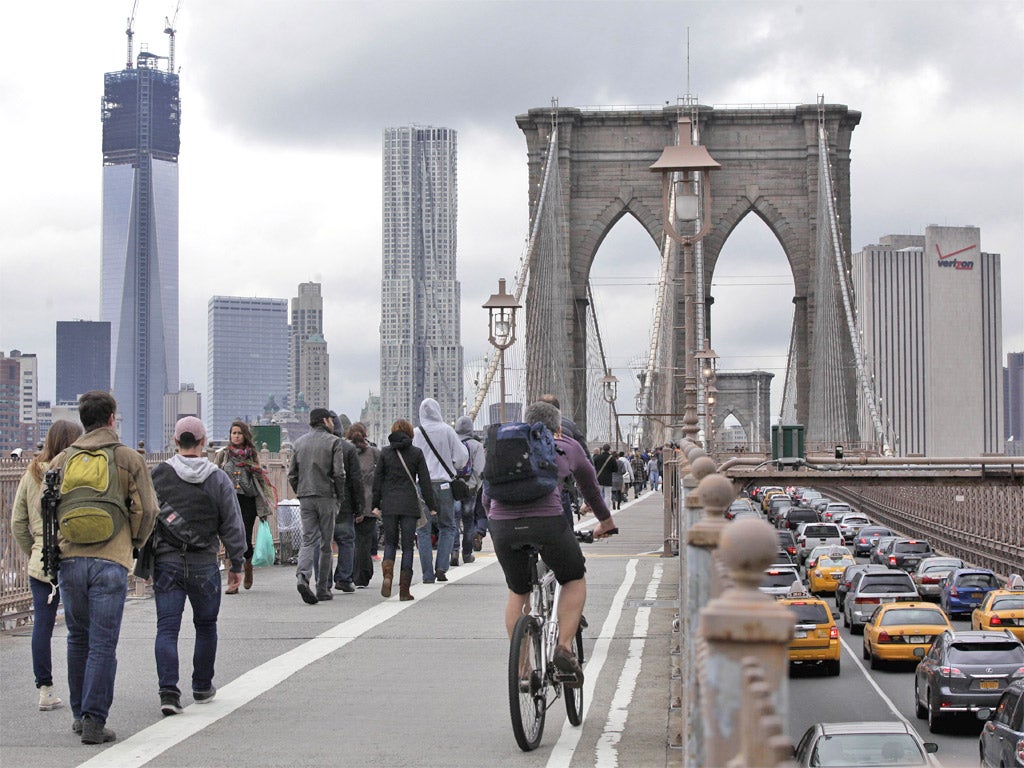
x=169, y=30
x=130, y=34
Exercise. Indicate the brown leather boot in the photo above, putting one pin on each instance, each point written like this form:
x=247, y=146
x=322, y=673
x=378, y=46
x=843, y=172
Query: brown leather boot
x=387, y=568
x=247, y=577
x=404, y=582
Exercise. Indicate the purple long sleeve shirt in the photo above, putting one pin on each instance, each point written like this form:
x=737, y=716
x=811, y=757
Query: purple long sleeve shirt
x=572, y=460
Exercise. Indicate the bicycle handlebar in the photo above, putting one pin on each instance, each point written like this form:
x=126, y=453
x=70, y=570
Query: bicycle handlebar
x=587, y=537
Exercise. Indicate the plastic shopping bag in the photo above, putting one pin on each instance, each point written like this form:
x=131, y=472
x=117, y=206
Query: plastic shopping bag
x=263, y=551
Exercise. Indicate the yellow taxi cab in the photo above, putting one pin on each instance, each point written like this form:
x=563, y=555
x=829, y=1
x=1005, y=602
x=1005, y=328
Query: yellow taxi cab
x=895, y=630
x=825, y=573
x=766, y=500
x=1002, y=609
x=816, y=637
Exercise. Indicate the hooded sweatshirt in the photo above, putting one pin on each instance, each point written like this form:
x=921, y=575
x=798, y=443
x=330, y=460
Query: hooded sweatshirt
x=199, y=471
x=464, y=429
x=452, y=451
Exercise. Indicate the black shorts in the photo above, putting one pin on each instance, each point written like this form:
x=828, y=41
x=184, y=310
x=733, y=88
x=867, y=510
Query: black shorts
x=552, y=537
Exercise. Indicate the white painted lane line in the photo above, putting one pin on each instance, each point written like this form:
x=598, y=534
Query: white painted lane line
x=881, y=693
x=561, y=754
x=607, y=753
x=149, y=743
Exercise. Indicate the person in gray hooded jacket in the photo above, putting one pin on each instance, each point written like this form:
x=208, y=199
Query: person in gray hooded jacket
x=445, y=455
x=198, y=512
x=471, y=472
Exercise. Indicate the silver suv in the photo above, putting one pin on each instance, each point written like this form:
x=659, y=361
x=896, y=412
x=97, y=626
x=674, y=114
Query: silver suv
x=870, y=589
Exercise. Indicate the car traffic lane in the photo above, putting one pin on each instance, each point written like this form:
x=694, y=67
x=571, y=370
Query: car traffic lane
x=860, y=693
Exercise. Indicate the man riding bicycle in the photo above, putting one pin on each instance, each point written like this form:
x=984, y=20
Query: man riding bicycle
x=542, y=525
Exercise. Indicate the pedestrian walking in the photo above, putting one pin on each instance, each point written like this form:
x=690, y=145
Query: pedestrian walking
x=604, y=463
x=400, y=480
x=366, y=526
x=27, y=527
x=199, y=512
x=465, y=510
x=444, y=452
x=256, y=496
x=93, y=578
x=317, y=476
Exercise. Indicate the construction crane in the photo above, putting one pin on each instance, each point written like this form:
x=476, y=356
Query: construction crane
x=130, y=34
x=169, y=31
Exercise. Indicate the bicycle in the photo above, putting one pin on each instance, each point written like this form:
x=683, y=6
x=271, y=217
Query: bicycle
x=534, y=682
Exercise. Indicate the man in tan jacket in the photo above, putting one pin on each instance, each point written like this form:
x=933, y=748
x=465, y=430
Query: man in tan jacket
x=94, y=577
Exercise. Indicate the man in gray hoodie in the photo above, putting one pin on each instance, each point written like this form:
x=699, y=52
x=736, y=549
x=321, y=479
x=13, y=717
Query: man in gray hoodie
x=445, y=455
x=198, y=512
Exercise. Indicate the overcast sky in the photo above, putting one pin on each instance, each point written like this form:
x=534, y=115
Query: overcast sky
x=284, y=104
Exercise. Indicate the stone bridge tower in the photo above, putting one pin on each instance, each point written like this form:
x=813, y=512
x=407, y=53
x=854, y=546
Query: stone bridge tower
x=769, y=159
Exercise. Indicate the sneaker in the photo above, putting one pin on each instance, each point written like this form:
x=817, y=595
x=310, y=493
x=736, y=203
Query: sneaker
x=478, y=542
x=94, y=732
x=322, y=596
x=203, y=697
x=345, y=586
x=307, y=593
x=568, y=665
x=47, y=700
x=76, y=726
x=170, y=703
x=440, y=576
x=469, y=558
x=455, y=560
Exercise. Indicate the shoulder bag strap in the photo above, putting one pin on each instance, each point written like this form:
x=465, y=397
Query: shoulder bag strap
x=409, y=474
x=427, y=438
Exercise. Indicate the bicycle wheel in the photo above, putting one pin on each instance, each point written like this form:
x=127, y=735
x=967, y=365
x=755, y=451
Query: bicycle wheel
x=526, y=684
x=574, y=696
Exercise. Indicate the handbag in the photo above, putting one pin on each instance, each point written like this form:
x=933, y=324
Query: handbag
x=424, y=510
x=263, y=552
x=460, y=488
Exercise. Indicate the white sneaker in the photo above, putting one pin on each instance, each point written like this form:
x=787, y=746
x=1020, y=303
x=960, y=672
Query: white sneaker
x=47, y=700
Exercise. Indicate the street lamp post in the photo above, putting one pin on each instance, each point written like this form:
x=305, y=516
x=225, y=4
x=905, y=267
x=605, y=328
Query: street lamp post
x=610, y=390
x=501, y=315
x=707, y=359
x=694, y=165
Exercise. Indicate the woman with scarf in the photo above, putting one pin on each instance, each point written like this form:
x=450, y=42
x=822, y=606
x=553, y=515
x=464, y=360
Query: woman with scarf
x=241, y=461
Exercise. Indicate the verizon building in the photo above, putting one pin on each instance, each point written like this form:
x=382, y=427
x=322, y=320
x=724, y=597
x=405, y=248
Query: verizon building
x=929, y=309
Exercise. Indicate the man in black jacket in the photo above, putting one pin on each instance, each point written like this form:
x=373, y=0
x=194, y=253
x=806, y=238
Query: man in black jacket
x=352, y=507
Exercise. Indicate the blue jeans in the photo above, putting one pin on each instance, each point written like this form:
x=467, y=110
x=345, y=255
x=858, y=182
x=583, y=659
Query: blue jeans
x=464, y=515
x=345, y=538
x=44, y=617
x=446, y=533
x=94, y=591
x=172, y=583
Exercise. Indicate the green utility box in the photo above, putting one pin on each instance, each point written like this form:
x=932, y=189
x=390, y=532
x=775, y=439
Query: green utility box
x=787, y=443
x=271, y=435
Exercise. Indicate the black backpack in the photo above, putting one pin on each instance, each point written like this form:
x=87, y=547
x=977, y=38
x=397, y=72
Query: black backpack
x=188, y=519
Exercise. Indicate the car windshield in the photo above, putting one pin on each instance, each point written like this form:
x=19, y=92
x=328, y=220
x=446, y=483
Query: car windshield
x=1008, y=604
x=913, y=616
x=912, y=546
x=885, y=584
x=809, y=613
x=980, y=580
x=849, y=749
x=852, y=520
x=779, y=578
x=986, y=653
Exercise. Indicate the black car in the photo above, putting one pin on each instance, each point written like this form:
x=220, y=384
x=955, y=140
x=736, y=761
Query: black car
x=867, y=537
x=799, y=515
x=965, y=671
x=787, y=541
x=905, y=554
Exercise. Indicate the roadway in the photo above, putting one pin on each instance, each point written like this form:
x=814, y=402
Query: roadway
x=362, y=681
x=860, y=693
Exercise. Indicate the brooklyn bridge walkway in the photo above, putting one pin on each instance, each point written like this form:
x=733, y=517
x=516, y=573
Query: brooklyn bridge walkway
x=363, y=681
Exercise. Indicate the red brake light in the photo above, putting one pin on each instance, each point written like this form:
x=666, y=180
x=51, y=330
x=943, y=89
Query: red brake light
x=774, y=573
x=954, y=592
x=791, y=550
x=995, y=620
x=883, y=637
x=863, y=540
x=892, y=559
x=833, y=633
x=951, y=671
x=867, y=601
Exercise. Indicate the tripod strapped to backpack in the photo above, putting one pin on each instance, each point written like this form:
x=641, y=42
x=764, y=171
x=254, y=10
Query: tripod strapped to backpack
x=50, y=499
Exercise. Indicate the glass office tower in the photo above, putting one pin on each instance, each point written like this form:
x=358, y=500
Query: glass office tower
x=420, y=349
x=141, y=119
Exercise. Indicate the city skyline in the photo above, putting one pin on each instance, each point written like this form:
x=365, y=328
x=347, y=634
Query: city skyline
x=281, y=157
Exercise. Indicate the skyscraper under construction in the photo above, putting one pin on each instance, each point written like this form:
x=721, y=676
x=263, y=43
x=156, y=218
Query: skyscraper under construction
x=141, y=120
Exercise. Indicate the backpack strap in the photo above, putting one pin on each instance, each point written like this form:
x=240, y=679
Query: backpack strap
x=427, y=438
